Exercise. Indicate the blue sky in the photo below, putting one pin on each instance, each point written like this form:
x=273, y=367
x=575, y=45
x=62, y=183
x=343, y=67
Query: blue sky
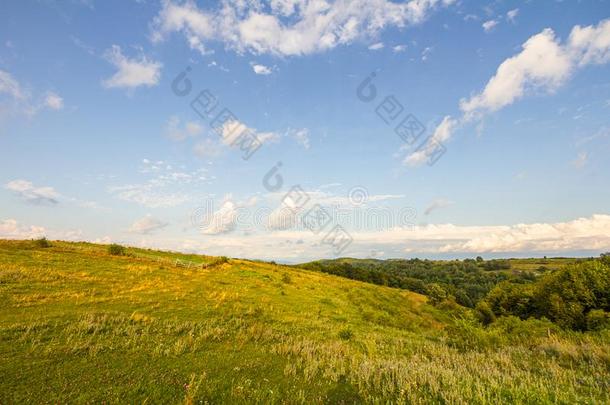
x=95, y=145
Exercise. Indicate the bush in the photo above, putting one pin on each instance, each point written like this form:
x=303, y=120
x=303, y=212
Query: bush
x=116, y=250
x=598, y=319
x=42, y=243
x=286, y=278
x=497, y=264
x=484, y=313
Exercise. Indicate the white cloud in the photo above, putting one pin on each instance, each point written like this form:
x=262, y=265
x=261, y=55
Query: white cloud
x=261, y=69
x=232, y=131
x=544, y=64
x=489, y=25
x=581, y=160
x=512, y=15
x=590, y=44
x=376, y=46
x=591, y=234
x=54, y=101
x=29, y=193
x=131, y=73
x=399, y=48
x=178, y=131
x=147, y=225
x=282, y=218
x=287, y=27
x=10, y=229
x=581, y=234
x=441, y=134
x=223, y=220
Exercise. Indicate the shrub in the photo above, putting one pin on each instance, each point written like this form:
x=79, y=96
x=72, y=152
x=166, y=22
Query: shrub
x=286, y=278
x=484, y=313
x=116, y=250
x=42, y=243
x=598, y=319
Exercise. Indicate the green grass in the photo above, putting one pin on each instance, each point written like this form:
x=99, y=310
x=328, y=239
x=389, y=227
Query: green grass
x=80, y=325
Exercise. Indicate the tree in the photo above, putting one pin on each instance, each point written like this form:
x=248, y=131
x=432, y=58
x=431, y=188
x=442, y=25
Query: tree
x=436, y=293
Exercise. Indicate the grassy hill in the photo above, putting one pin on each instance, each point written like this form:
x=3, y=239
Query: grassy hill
x=80, y=325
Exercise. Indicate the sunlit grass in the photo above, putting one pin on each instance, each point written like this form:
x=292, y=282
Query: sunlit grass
x=80, y=325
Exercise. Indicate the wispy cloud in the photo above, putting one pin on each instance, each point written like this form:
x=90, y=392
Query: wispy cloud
x=32, y=194
x=512, y=15
x=581, y=160
x=15, y=99
x=179, y=131
x=437, y=204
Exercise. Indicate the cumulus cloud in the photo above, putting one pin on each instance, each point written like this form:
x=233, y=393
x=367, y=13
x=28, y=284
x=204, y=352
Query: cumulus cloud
x=282, y=218
x=581, y=234
x=131, y=73
x=10, y=229
x=287, y=27
x=376, y=46
x=590, y=234
x=232, y=130
x=32, y=194
x=261, y=69
x=147, y=225
x=489, y=25
x=543, y=65
x=223, y=220
x=399, y=48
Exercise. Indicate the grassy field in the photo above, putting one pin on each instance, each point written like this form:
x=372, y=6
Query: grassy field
x=79, y=325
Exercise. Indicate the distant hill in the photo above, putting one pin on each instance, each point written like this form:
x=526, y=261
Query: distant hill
x=81, y=325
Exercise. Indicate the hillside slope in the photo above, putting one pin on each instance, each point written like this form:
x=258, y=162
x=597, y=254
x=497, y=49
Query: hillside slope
x=80, y=325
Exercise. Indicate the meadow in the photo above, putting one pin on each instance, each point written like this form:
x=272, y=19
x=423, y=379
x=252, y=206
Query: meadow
x=80, y=325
